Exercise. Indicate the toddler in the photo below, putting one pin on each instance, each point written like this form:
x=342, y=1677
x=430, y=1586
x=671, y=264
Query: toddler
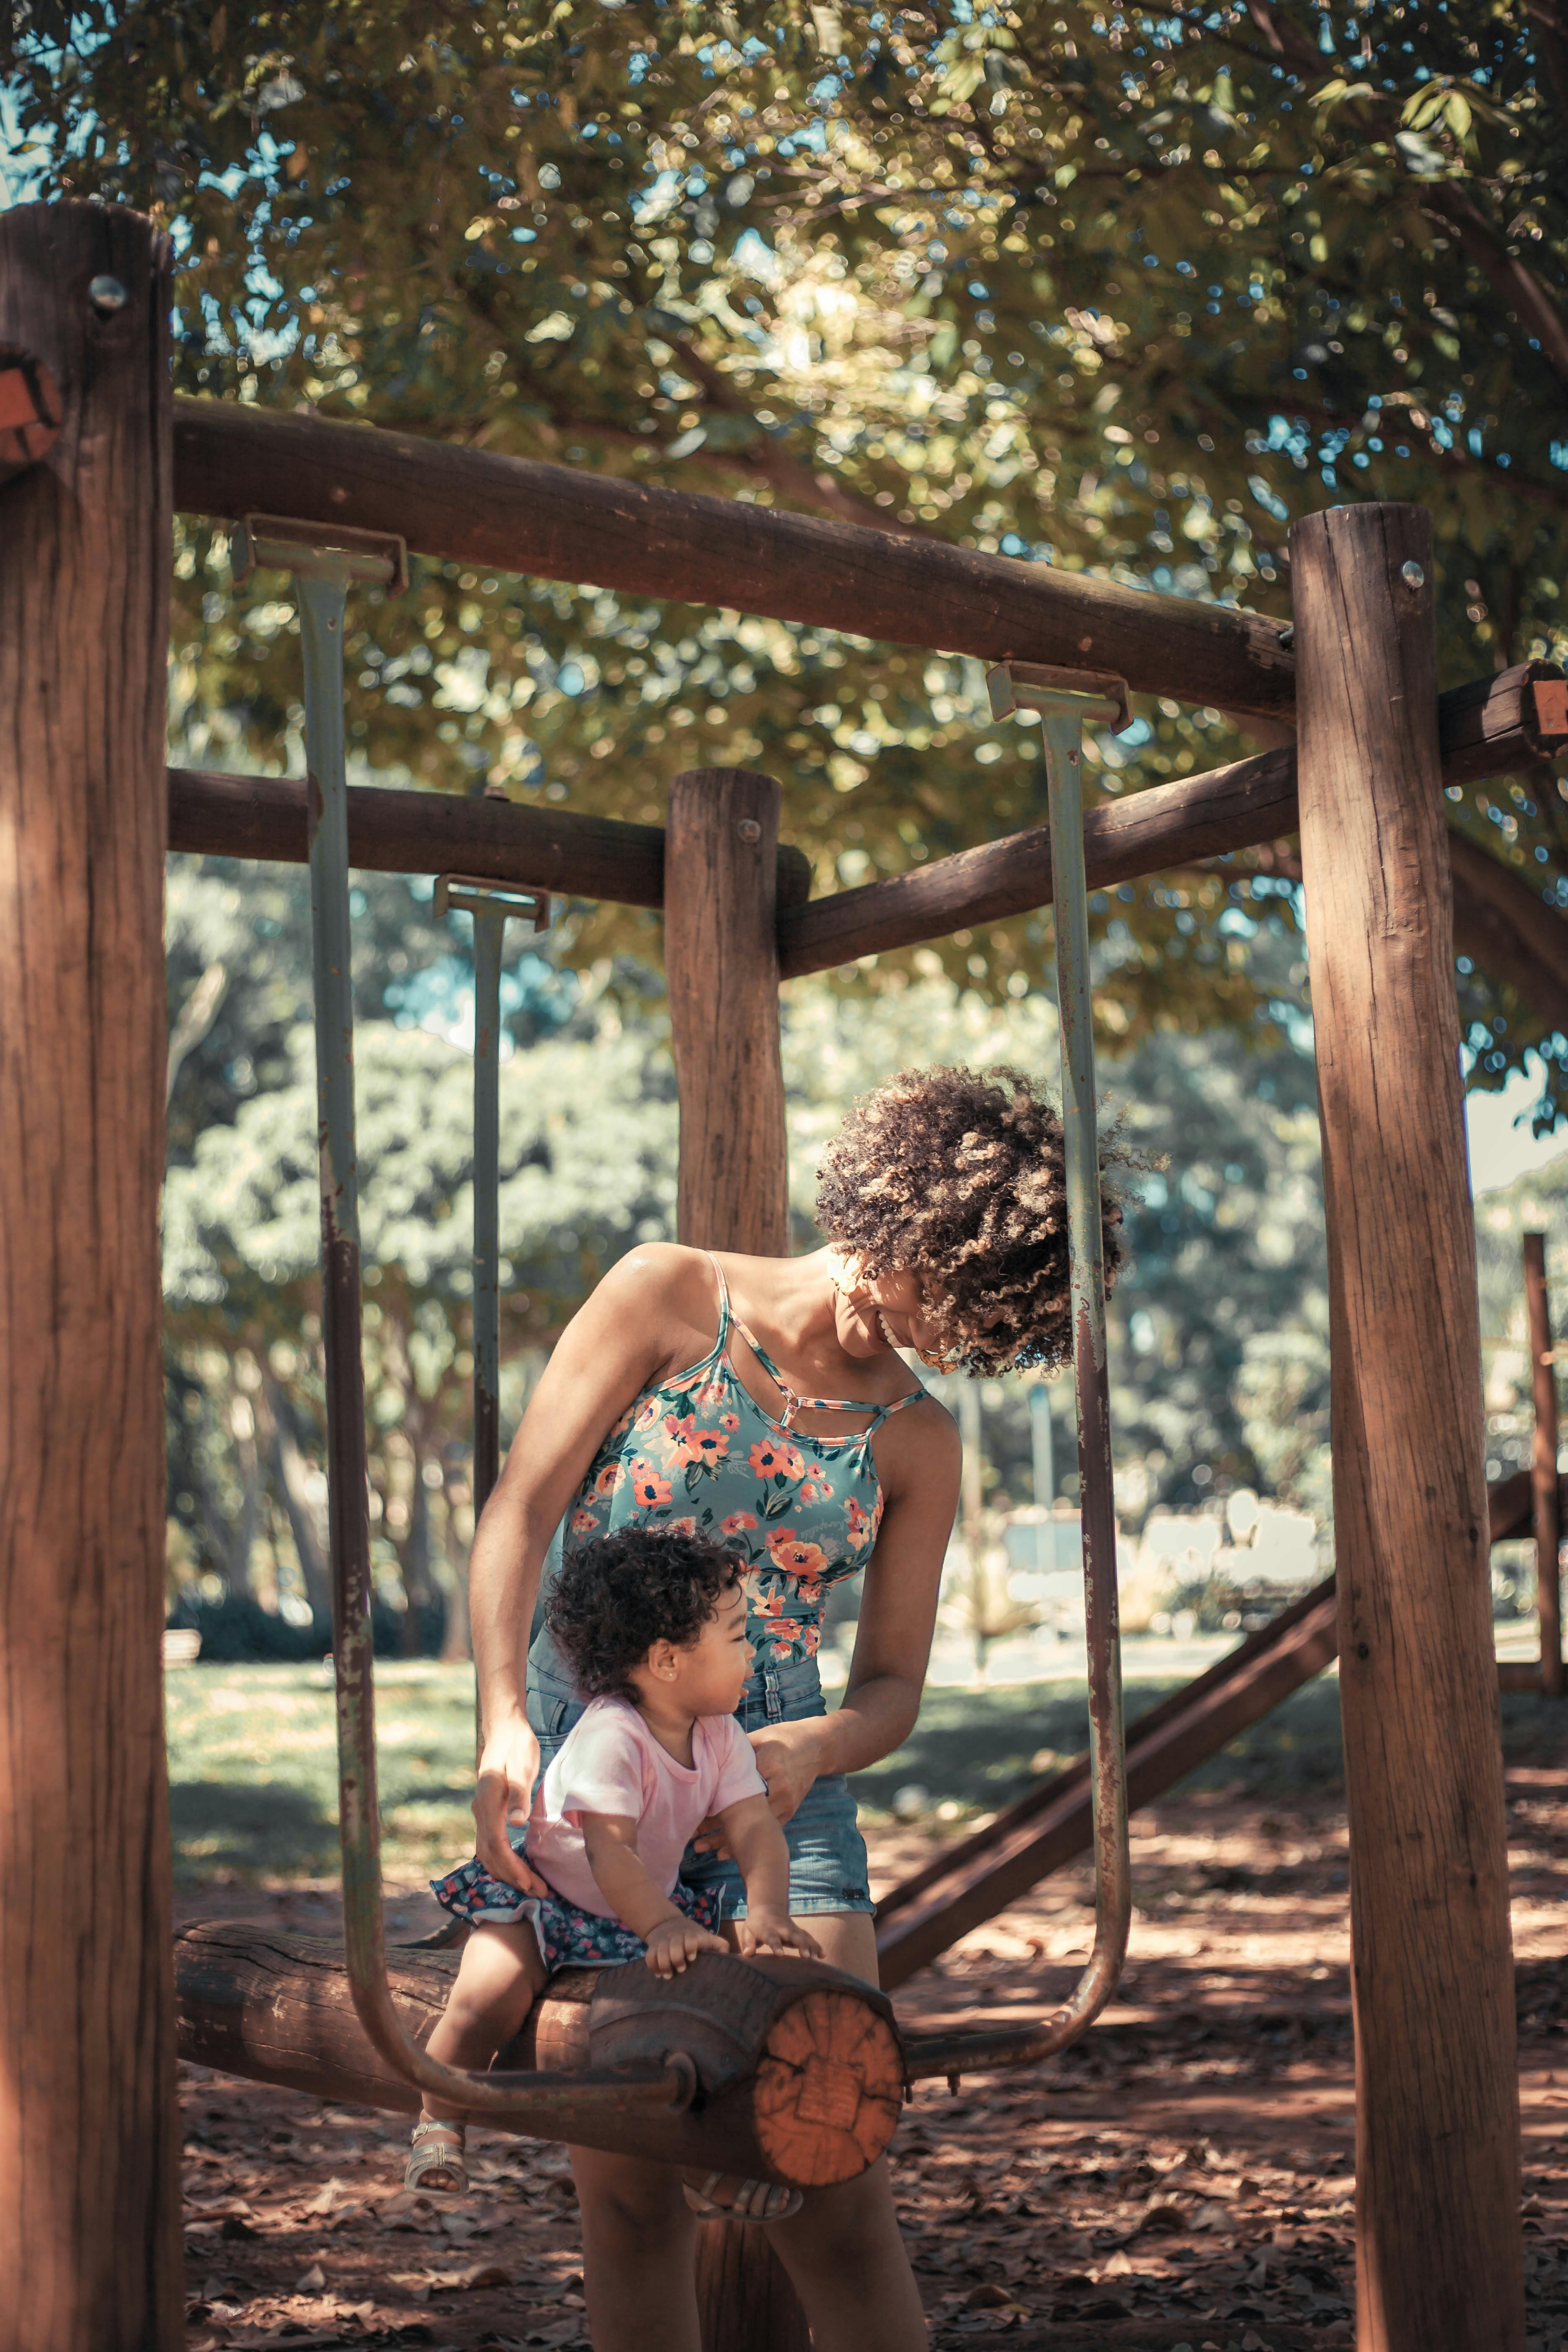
x=653, y=1627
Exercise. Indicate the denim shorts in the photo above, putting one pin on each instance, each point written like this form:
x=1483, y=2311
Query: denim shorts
x=827, y=1869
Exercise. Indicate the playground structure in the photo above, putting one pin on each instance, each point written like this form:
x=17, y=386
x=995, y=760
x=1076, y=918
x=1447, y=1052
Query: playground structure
x=86, y=810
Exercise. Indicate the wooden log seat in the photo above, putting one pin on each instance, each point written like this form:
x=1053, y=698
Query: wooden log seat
x=800, y=2069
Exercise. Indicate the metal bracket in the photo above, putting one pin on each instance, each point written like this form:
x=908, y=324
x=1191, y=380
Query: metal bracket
x=471, y=894
x=1097, y=693
x=319, y=551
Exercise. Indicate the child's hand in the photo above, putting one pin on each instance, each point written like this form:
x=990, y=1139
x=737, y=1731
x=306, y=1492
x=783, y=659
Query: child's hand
x=674, y=1944
x=774, y=1931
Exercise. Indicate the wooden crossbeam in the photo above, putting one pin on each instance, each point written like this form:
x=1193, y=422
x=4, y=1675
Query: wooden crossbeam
x=395, y=831
x=1519, y=717
x=557, y=522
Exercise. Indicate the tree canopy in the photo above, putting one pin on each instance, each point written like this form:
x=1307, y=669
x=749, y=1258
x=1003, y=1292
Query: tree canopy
x=1104, y=288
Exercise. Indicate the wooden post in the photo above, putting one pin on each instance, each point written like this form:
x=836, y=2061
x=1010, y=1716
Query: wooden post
x=1547, y=1514
x=722, y=964
x=90, y=2253
x=1439, y=2258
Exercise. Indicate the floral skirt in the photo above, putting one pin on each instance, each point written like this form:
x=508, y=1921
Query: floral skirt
x=569, y=1937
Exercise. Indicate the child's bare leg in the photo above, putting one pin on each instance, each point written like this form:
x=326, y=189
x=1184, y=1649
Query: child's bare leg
x=500, y=1972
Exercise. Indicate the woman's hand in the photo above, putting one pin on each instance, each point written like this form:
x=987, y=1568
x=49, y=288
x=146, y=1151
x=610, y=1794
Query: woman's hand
x=509, y=1768
x=789, y=1758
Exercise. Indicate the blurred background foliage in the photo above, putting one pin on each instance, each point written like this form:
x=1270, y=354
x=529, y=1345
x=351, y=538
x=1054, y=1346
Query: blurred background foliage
x=1101, y=288
x=1218, y=1323
x=1095, y=287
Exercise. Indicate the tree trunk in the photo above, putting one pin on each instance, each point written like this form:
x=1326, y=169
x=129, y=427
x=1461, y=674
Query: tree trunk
x=1547, y=1512
x=721, y=962
x=1438, y=2264
x=457, y=1638
x=90, y=2257
x=290, y=1473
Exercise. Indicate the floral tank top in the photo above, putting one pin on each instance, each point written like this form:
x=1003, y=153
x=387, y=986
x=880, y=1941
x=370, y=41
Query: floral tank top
x=700, y=1456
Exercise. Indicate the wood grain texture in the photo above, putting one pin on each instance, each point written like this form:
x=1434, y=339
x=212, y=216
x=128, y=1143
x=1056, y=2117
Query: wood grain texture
x=1484, y=727
x=393, y=831
x=276, y=2008
x=90, y=2252
x=721, y=966
x=744, y=2300
x=559, y=522
x=1439, y=2258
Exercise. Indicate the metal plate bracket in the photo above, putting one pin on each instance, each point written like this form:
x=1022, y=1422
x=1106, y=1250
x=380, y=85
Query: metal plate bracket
x=319, y=551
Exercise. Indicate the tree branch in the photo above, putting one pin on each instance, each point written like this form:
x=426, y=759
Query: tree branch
x=1511, y=278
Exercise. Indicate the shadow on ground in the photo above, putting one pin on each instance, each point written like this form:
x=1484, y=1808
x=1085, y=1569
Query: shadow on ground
x=224, y=1828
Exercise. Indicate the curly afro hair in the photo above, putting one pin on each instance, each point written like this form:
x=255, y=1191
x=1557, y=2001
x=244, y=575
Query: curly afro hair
x=959, y=1176
x=622, y=1593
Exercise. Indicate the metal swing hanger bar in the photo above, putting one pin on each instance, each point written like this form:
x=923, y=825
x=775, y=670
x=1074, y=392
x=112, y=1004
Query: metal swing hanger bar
x=324, y=563
x=1064, y=700
x=491, y=905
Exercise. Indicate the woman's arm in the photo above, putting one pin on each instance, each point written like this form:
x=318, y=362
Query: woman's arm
x=919, y=1467
x=616, y=1345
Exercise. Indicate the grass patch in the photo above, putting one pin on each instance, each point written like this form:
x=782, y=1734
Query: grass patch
x=974, y=1749
x=254, y=1775
x=253, y=1760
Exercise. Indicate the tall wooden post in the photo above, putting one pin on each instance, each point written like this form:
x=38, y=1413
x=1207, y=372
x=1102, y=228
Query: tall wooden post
x=722, y=963
x=1438, y=2261
x=89, y=2254
x=721, y=881
x=1547, y=1514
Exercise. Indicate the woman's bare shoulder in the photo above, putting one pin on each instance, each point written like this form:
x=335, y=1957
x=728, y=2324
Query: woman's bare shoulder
x=660, y=1285
x=921, y=1447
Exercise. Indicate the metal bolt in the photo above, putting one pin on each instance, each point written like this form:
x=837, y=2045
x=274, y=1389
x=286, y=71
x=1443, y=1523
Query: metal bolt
x=748, y=829
x=1412, y=576
x=107, y=295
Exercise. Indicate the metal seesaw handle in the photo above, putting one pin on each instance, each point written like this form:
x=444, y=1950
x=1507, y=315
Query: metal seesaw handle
x=1065, y=698
x=323, y=569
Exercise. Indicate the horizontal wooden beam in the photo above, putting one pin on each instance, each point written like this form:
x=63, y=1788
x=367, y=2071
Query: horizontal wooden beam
x=798, y=2067
x=555, y=522
x=1519, y=717
x=437, y=833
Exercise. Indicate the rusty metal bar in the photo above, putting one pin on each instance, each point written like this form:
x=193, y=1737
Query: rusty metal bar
x=322, y=574
x=490, y=904
x=1547, y=1513
x=1064, y=700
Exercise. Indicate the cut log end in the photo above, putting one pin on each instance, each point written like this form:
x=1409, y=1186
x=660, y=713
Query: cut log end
x=828, y=2090
x=799, y=2067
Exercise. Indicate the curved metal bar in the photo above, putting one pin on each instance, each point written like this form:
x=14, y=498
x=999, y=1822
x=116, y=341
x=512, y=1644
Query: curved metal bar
x=1064, y=701
x=545, y=2102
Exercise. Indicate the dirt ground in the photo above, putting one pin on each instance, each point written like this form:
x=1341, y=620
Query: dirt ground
x=1181, y=2179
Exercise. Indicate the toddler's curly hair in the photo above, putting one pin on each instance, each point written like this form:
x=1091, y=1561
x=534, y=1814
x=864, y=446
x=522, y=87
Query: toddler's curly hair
x=959, y=1176
x=622, y=1593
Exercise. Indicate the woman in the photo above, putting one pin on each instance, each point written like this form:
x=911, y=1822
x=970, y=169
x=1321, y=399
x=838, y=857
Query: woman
x=764, y=1400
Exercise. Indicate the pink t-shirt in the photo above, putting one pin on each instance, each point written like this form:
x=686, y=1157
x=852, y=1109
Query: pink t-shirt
x=610, y=1762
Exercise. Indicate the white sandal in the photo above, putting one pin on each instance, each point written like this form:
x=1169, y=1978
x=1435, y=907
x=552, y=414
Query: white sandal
x=755, y=2200
x=437, y=2171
